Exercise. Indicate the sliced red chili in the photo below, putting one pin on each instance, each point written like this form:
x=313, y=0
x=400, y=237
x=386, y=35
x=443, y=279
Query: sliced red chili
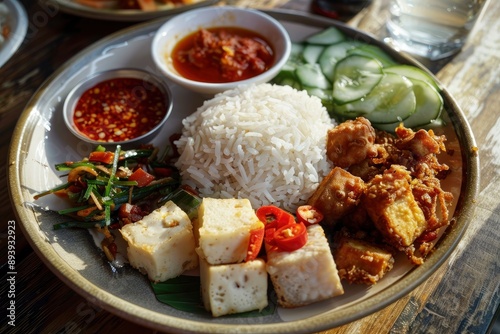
x=290, y=237
x=308, y=215
x=105, y=157
x=142, y=177
x=255, y=244
x=274, y=217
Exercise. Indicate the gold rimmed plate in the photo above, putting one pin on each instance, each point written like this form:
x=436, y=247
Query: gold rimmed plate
x=41, y=140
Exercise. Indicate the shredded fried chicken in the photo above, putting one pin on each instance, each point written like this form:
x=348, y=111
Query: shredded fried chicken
x=397, y=200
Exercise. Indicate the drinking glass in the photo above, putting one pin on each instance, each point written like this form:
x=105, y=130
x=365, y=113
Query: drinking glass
x=433, y=29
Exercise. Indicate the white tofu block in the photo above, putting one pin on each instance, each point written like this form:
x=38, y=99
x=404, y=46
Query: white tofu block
x=223, y=229
x=234, y=288
x=162, y=244
x=306, y=275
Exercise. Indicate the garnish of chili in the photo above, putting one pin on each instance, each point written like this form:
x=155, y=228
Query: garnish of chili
x=222, y=54
x=119, y=109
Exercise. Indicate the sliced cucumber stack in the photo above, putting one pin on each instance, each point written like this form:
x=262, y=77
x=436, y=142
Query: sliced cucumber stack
x=353, y=78
x=428, y=108
x=391, y=100
x=328, y=36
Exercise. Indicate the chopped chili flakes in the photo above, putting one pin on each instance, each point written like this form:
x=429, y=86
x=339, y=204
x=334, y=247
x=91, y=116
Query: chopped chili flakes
x=119, y=109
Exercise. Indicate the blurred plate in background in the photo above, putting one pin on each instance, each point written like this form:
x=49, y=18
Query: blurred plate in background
x=72, y=7
x=18, y=24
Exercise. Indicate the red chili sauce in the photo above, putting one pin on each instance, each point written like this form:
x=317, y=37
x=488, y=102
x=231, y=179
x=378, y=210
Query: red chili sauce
x=222, y=54
x=119, y=109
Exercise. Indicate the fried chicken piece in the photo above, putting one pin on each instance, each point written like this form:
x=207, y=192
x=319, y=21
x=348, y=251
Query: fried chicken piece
x=360, y=261
x=351, y=142
x=338, y=194
x=420, y=143
x=392, y=207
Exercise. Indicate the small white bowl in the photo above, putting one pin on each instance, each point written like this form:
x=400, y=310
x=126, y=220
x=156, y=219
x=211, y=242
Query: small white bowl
x=147, y=78
x=178, y=27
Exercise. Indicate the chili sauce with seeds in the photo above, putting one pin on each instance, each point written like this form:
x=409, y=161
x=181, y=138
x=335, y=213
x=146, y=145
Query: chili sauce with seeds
x=119, y=109
x=222, y=54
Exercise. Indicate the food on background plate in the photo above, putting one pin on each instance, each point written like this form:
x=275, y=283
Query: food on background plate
x=145, y=5
x=266, y=143
x=222, y=54
x=162, y=244
x=4, y=26
x=354, y=78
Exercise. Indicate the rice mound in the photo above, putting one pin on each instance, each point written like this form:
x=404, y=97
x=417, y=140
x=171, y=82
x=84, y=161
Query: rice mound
x=263, y=142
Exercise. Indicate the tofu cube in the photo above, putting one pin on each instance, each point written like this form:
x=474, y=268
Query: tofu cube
x=223, y=229
x=392, y=207
x=234, y=288
x=162, y=244
x=359, y=261
x=306, y=275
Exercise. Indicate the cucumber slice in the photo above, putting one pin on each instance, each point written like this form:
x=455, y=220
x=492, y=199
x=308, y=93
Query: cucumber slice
x=326, y=36
x=392, y=100
x=310, y=75
x=312, y=52
x=295, y=57
x=332, y=54
x=374, y=52
x=412, y=72
x=325, y=95
x=429, y=106
x=355, y=77
x=296, y=49
x=287, y=78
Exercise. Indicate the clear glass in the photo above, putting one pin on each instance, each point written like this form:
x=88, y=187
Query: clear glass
x=433, y=29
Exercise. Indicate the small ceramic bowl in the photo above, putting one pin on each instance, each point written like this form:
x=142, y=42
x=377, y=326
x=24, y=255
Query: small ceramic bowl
x=137, y=90
x=180, y=26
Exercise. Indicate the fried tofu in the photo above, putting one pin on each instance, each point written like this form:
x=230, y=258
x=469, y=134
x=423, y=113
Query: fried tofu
x=306, y=275
x=234, y=288
x=161, y=244
x=337, y=195
x=392, y=207
x=359, y=261
x=223, y=229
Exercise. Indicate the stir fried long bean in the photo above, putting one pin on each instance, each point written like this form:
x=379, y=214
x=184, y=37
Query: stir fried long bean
x=99, y=188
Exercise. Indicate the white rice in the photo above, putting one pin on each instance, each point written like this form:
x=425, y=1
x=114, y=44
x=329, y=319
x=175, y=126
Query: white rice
x=265, y=142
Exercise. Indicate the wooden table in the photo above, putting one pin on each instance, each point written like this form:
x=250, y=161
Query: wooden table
x=462, y=296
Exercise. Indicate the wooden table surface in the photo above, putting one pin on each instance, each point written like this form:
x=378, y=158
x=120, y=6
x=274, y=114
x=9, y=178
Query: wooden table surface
x=462, y=296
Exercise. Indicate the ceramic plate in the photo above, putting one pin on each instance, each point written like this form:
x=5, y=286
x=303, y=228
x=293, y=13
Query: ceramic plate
x=18, y=23
x=71, y=7
x=41, y=140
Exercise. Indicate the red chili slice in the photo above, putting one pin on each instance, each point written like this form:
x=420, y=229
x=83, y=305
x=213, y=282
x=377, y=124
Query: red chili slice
x=308, y=215
x=142, y=177
x=290, y=237
x=103, y=157
x=274, y=217
x=255, y=244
